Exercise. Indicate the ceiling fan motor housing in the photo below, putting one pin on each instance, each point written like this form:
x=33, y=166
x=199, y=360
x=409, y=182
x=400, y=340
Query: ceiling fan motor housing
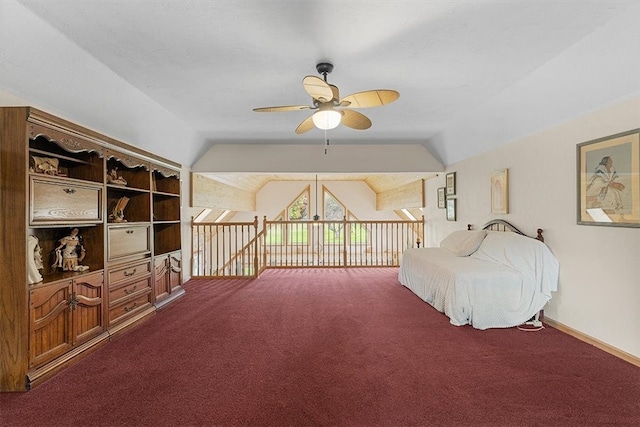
x=324, y=68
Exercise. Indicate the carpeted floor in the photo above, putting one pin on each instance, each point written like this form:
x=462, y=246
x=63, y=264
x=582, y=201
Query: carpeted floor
x=329, y=347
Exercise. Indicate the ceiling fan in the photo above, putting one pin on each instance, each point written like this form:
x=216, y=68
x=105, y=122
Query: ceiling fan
x=331, y=110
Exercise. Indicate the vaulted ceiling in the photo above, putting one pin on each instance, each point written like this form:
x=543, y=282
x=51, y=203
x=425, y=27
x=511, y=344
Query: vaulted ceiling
x=176, y=77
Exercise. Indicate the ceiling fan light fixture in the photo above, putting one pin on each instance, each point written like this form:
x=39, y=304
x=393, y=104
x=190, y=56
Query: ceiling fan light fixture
x=327, y=119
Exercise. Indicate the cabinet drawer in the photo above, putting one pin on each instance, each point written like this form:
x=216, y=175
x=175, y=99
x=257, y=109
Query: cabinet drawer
x=129, y=240
x=64, y=201
x=129, y=272
x=130, y=307
x=120, y=293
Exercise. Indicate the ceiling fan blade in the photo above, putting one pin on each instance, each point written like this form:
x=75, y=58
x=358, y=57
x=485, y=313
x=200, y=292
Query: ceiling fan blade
x=371, y=98
x=305, y=126
x=355, y=120
x=282, y=108
x=317, y=88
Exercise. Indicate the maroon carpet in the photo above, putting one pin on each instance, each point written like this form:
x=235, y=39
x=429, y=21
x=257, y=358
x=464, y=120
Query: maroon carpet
x=338, y=347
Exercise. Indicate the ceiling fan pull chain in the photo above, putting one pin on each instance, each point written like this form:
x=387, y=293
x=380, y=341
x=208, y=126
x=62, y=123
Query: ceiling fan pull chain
x=326, y=142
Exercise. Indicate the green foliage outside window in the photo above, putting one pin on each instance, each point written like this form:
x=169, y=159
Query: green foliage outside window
x=299, y=210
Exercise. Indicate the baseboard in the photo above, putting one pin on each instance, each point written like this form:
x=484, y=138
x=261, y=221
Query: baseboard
x=593, y=341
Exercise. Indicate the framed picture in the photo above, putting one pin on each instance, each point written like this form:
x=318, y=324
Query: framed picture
x=451, y=184
x=609, y=180
x=451, y=209
x=441, y=198
x=500, y=192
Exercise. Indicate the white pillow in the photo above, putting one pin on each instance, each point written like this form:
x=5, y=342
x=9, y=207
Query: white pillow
x=463, y=243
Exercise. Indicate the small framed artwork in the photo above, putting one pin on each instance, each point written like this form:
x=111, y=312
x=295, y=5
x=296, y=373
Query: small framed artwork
x=500, y=191
x=451, y=184
x=441, y=198
x=609, y=180
x=451, y=209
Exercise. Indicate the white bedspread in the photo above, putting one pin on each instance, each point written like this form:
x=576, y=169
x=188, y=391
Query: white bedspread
x=503, y=284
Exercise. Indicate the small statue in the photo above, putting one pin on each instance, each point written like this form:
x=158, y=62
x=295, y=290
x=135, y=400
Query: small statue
x=70, y=252
x=117, y=214
x=113, y=178
x=45, y=165
x=34, y=259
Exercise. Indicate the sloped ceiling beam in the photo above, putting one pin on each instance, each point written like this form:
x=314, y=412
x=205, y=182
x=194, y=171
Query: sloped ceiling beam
x=209, y=193
x=405, y=196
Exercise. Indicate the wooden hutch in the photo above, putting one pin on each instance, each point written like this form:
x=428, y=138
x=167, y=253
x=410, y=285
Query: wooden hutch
x=125, y=204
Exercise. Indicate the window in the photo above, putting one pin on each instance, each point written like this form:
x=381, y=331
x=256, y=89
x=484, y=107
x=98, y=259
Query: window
x=333, y=211
x=299, y=209
x=298, y=234
x=359, y=232
x=332, y=208
x=274, y=232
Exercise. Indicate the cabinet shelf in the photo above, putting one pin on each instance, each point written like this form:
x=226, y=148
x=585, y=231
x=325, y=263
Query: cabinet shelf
x=166, y=181
x=125, y=188
x=49, y=159
x=58, y=156
x=166, y=208
x=92, y=238
x=166, y=237
x=135, y=172
x=137, y=205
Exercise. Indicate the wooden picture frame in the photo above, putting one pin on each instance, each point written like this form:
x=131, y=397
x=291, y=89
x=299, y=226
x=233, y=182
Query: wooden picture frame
x=608, y=178
x=451, y=209
x=442, y=199
x=500, y=191
x=451, y=184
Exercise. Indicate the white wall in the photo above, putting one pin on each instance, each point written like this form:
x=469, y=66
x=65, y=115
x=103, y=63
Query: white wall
x=599, y=288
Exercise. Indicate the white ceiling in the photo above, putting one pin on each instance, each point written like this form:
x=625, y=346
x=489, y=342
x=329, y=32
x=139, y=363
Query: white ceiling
x=472, y=75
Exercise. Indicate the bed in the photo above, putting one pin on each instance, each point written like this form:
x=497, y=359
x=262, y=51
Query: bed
x=496, y=277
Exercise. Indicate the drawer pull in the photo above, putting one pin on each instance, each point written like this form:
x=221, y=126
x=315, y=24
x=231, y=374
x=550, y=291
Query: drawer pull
x=130, y=291
x=128, y=309
x=130, y=274
x=69, y=190
x=129, y=231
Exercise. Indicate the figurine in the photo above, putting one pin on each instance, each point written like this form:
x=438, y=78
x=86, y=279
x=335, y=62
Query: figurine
x=70, y=252
x=113, y=178
x=117, y=214
x=34, y=259
x=45, y=165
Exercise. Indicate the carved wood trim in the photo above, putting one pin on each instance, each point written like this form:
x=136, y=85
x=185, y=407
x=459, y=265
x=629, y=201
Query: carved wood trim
x=127, y=160
x=69, y=143
x=166, y=172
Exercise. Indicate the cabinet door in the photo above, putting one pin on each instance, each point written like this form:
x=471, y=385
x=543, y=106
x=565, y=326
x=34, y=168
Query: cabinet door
x=64, y=201
x=161, y=277
x=49, y=324
x=175, y=270
x=87, y=308
x=124, y=241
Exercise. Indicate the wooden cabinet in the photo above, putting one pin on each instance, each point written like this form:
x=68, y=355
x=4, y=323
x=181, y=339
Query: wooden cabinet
x=167, y=277
x=103, y=214
x=63, y=316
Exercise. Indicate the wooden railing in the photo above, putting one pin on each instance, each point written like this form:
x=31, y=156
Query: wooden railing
x=237, y=249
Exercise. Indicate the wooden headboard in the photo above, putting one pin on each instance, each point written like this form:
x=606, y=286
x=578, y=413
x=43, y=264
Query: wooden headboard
x=502, y=225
